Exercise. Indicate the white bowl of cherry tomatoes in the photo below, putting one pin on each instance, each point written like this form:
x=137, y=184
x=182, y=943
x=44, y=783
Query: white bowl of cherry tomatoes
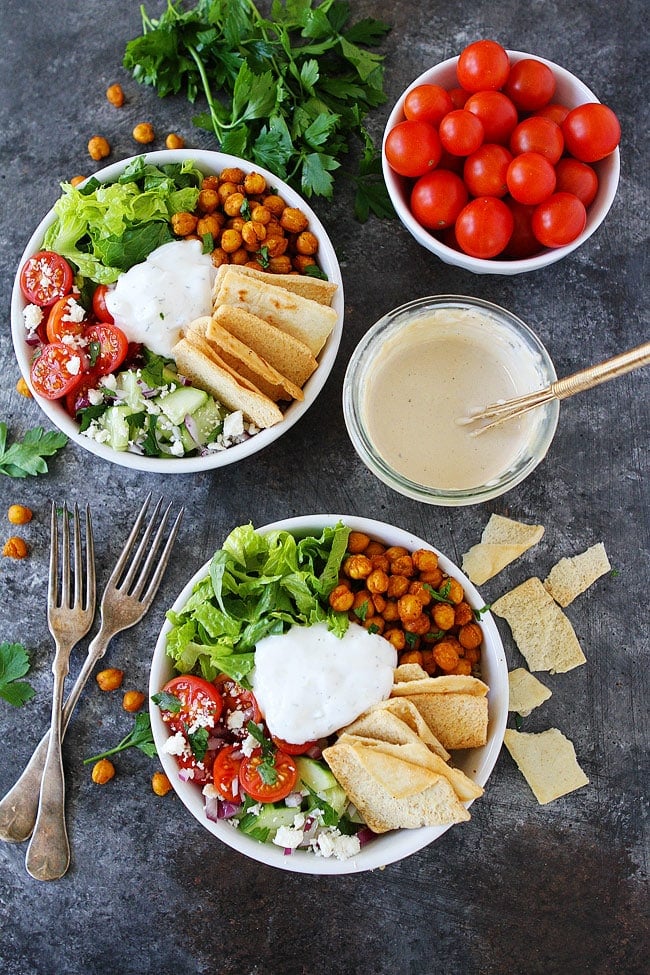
x=499, y=161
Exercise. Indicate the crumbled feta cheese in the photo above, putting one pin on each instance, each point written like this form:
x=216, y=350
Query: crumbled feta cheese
x=177, y=745
x=333, y=843
x=74, y=312
x=97, y=433
x=110, y=381
x=68, y=339
x=288, y=837
x=95, y=397
x=235, y=720
x=233, y=425
x=210, y=792
x=74, y=365
x=202, y=719
x=248, y=745
x=33, y=316
x=177, y=448
x=299, y=820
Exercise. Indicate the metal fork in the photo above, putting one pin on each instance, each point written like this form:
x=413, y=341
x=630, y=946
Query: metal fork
x=127, y=597
x=70, y=614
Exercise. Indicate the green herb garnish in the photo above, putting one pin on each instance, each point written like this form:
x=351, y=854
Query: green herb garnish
x=14, y=664
x=25, y=457
x=140, y=737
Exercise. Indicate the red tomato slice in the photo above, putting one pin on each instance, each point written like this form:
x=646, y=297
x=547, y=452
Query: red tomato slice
x=265, y=784
x=76, y=399
x=239, y=700
x=61, y=321
x=201, y=771
x=198, y=698
x=225, y=771
x=289, y=748
x=99, y=304
x=57, y=370
x=45, y=277
x=107, y=346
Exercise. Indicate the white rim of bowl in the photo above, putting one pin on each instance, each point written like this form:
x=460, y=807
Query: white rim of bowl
x=353, y=382
x=210, y=161
x=383, y=849
x=595, y=214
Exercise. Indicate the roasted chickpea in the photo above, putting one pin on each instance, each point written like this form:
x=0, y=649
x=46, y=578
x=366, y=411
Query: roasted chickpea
x=402, y=565
x=377, y=581
x=15, y=548
x=390, y=611
x=375, y=548
x=274, y=203
x=98, y=147
x=443, y=616
x=174, y=141
x=23, y=389
x=424, y=560
x=395, y=551
x=409, y=608
x=18, y=514
x=219, y=257
x=275, y=246
x=463, y=613
x=254, y=184
x=419, y=624
x=432, y=578
x=341, y=598
x=160, y=784
x=379, y=603
x=253, y=234
x=232, y=204
x=115, y=95
x=418, y=589
x=306, y=243
x=463, y=667
x=472, y=654
x=280, y=265
x=132, y=700
x=183, y=223
x=232, y=174
x=362, y=601
x=357, y=542
x=240, y=257
x=454, y=590
x=428, y=662
x=260, y=214
x=445, y=655
x=235, y=223
x=376, y=624
x=299, y=262
x=397, y=638
x=293, y=220
x=397, y=586
x=210, y=183
x=144, y=133
x=110, y=679
x=208, y=200
x=411, y=657
x=231, y=240
x=470, y=636
x=381, y=562
x=357, y=566
x=210, y=224
x=103, y=771
x=225, y=190
x=76, y=180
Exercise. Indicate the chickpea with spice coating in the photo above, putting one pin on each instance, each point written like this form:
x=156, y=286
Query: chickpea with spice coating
x=306, y=243
x=76, y=180
x=293, y=220
x=174, y=141
x=341, y=599
x=115, y=95
x=132, y=701
x=15, y=548
x=470, y=636
x=160, y=784
x=231, y=241
x=23, y=389
x=103, y=771
x=254, y=184
x=183, y=223
x=357, y=542
x=280, y=265
x=110, y=679
x=357, y=567
x=443, y=616
x=18, y=514
x=144, y=133
x=98, y=147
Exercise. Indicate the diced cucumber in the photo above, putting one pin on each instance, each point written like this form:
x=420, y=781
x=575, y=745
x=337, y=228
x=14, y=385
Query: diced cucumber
x=177, y=404
x=114, y=421
x=272, y=816
x=208, y=418
x=127, y=383
x=335, y=797
x=315, y=774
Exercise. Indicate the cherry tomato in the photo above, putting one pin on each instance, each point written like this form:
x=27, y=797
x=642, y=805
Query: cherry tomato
x=102, y=314
x=458, y=97
x=437, y=198
x=577, y=177
x=45, y=277
x=197, y=697
x=496, y=112
x=559, y=220
x=461, y=133
x=523, y=242
x=107, y=345
x=536, y=134
x=591, y=132
x=60, y=320
x=225, y=771
x=289, y=748
x=483, y=65
x=531, y=178
x=76, y=399
x=556, y=113
x=427, y=103
x=485, y=170
x=530, y=84
x=237, y=699
x=484, y=227
x=57, y=370
x=200, y=771
x=412, y=148
x=257, y=783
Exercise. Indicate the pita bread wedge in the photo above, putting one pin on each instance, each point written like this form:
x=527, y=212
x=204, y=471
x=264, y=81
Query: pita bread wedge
x=407, y=712
x=384, y=724
x=288, y=355
x=304, y=319
x=525, y=692
x=457, y=720
x=398, y=777
x=409, y=672
x=547, y=761
x=436, y=805
x=447, y=684
x=196, y=360
x=503, y=540
x=571, y=576
x=317, y=289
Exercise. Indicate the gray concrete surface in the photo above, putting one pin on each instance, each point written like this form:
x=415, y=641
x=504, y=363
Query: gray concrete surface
x=523, y=888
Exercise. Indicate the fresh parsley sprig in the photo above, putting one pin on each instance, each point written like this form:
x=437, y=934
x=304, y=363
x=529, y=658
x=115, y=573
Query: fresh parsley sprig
x=14, y=664
x=290, y=92
x=140, y=737
x=25, y=457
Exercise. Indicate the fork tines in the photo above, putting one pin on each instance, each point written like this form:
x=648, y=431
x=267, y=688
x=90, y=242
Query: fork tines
x=141, y=579
x=61, y=596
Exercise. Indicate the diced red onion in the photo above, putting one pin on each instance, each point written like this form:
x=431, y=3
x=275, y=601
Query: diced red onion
x=212, y=808
x=288, y=851
x=186, y=774
x=365, y=835
x=314, y=752
x=227, y=809
x=192, y=429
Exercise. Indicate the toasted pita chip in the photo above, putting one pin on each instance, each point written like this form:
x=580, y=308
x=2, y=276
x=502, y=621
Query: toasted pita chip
x=503, y=540
x=447, y=684
x=407, y=712
x=409, y=672
x=457, y=720
x=571, y=576
x=547, y=761
x=317, y=289
x=400, y=779
x=540, y=629
x=382, y=723
x=304, y=319
x=246, y=362
x=525, y=692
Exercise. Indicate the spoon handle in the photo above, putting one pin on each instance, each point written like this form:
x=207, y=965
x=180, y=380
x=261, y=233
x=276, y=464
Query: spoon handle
x=592, y=376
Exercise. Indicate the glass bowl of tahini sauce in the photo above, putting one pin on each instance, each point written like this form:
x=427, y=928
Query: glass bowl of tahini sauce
x=417, y=373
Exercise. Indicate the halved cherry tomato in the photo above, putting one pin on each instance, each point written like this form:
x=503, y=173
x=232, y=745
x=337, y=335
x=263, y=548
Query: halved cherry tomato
x=225, y=771
x=107, y=346
x=76, y=399
x=483, y=65
x=237, y=699
x=57, y=370
x=289, y=748
x=99, y=304
x=199, y=699
x=45, y=277
x=201, y=772
x=559, y=220
x=60, y=321
x=265, y=781
x=412, y=148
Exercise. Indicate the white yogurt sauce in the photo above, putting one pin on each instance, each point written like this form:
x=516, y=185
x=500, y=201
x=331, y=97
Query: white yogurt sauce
x=310, y=682
x=154, y=300
x=426, y=377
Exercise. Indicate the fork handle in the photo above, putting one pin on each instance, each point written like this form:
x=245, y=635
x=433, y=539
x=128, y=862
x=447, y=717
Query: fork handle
x=48, y=853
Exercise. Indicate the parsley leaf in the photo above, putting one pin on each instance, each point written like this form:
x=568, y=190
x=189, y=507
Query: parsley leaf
x=167, y=702
x=25, y=457
x=14, y=663
x=140, y=737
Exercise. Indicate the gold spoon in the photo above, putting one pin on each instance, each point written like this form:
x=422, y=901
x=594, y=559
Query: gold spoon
x=560, y=389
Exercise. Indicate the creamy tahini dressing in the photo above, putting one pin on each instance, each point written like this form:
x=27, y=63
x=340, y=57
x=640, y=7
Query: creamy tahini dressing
x=309, y=682
x=154, y=300
x=427, y=377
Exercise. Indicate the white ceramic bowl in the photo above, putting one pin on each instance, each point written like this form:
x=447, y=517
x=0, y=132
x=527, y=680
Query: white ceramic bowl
x=476, y=763
x=208, y=162
x=571, y=92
